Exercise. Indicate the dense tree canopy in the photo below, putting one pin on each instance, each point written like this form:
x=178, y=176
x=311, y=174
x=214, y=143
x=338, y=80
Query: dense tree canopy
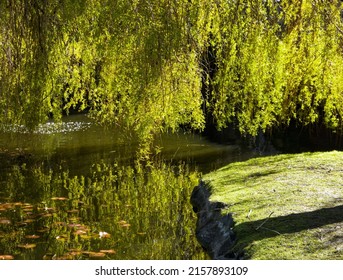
x=279, y=61
x=153, y=65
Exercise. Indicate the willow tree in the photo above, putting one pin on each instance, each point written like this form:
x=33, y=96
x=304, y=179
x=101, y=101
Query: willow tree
x=134, y=63
x=25, y=42
x=140, y=64
x=278, y=61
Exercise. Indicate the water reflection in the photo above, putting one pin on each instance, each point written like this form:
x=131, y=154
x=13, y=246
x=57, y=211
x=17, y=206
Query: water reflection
x=137, y=212
x=73, y=191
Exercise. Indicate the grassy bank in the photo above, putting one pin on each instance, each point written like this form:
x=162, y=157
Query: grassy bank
x=285, y=206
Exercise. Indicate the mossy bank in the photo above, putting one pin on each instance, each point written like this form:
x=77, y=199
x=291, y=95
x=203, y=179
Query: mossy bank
x=285, y=206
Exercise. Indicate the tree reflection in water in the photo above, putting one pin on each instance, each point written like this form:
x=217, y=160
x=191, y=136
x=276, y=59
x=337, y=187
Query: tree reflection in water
x=116, y=212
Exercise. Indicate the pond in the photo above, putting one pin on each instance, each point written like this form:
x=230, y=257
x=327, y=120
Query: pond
x=75, y=191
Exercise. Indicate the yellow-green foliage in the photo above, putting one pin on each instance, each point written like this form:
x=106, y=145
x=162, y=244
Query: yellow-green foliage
x=139, y=64
x=278, y=61
x=132, y=63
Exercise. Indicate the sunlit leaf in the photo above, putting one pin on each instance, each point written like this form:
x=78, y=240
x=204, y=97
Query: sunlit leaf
x=59, y=198
x=28, y=221
x=104, y=234
x=27, y=246
x=47, y=215
x=42, y=230
x=75, y=252
x=27, y=208
x=67, y=256
x=85, y=236
x=74, y=225
x=82, y=227
x=6, y=257
x=96, y=255
x=73, y=219
x=125, y=225
x=62, y=237
x=80, y=232
x=6, y=206
x=109, y=251
x=32, y=236
x=5, y=221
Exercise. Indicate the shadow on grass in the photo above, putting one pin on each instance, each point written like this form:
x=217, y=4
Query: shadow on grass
x=273, y=226
x=249, y=231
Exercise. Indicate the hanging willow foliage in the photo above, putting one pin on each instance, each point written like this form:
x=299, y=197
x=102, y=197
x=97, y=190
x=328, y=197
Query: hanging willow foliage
x=140, y=64
x=130, y=63
x=278, y=61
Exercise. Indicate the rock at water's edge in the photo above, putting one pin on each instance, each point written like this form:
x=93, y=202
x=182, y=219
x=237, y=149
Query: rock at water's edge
x=214, y=230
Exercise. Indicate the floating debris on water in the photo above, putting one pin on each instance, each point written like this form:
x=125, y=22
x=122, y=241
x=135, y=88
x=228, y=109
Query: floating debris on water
x=27, y=246
x=6, y=257
x=104, y=234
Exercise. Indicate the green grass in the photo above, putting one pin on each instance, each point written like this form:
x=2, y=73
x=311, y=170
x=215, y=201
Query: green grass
x=285, y=206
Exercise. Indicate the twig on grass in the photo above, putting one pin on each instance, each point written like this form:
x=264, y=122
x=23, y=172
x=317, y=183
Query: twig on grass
x=248, y=216
x=264, y=221
x=278, y=233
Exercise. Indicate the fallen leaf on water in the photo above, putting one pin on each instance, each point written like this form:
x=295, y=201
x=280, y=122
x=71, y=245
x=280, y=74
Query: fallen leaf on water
x=47, y=215
x=33, y=236
x=27, y=205
x=59, y=198
x=74, y=225
x=104, y=234
x=62, y=237
x=27, y=208
x=42, y=230
x=27, y=246
x=92, y=254
x=6, y=257
x=29, y=221
x=125, y=225
x=110, y=251
x=85, y=236
x=65, y=257
x=96, y=255
x=73, y=219
x=75, y=252
x=5, y=221
x=80, y=232
x=6, y=206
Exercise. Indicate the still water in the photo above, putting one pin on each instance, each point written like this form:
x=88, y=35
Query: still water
x=75, y=191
